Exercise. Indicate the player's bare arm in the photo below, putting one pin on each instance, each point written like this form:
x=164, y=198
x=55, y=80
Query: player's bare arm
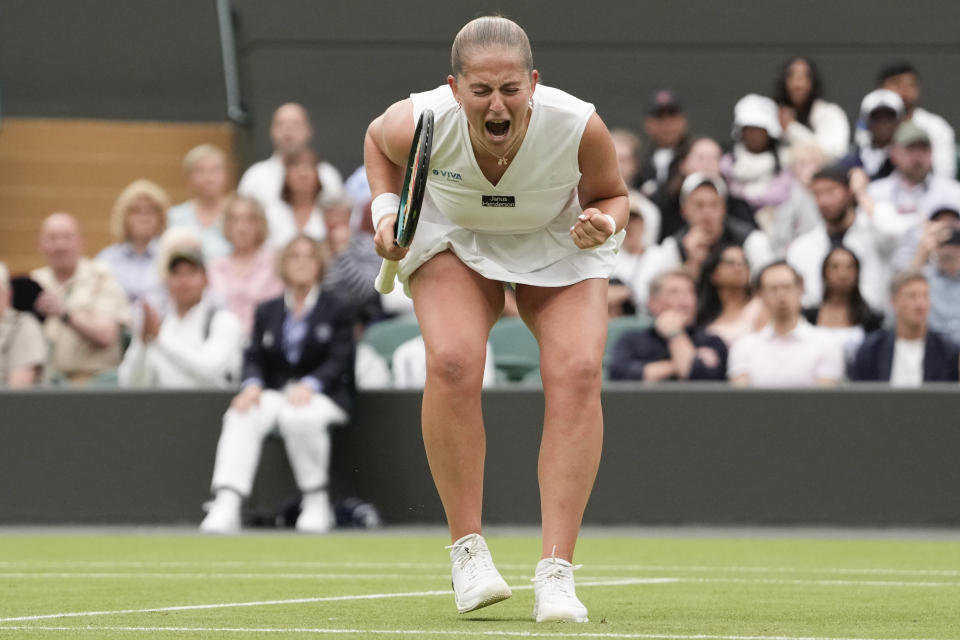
x=601, y=190
x=385, y=150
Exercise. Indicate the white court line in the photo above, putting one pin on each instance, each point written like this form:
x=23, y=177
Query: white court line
x=421, y=565
x=390, y=576
x=265, y=603
x=444, y=632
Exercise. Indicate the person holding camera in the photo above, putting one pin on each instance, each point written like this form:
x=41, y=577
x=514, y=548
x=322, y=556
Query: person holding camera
x=938, y=257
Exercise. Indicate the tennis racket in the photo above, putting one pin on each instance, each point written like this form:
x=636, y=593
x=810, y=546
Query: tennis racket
x=411, y=197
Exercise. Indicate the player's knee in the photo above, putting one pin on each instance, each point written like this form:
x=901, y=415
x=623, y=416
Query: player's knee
x=454, y=367
x=576, y=372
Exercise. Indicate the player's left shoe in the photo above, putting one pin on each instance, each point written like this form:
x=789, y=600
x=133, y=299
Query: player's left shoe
x=476, y=582
x=554, y=594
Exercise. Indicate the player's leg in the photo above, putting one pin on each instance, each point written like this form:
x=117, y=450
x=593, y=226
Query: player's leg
x=570, y=324
x=456, y=308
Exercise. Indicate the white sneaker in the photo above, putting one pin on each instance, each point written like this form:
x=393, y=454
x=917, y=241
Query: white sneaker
x=224, y=513
x=476, y=582
x=316, y=515
x=554, y=595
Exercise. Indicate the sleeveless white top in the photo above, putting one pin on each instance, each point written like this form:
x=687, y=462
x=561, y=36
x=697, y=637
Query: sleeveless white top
x=519, y=230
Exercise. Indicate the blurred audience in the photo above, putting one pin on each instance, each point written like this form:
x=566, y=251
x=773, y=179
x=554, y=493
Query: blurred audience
x=195, y=345
x=788, y=352
x=298, y=209
x=903, y=200
x=673, y=348
x=701, y=155
x=938, y=256
x=247, y=275
x=23, y=349
x=881, y=112
x=624, y=295
x=85, y=308
x=843, y=314
x=843, y=223
x=726, y=306
x=290, y=132
x=702, y=199
x=355, y=262
x=804, y=115
x=205, y=168
x=911, y=353
x=904, y=79
x=627, y=146
x=667, y=128
x=298, y=379
x=138, y=220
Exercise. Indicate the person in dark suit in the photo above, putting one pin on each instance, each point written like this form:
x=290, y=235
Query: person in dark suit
x=297, y=379
x=911, y=354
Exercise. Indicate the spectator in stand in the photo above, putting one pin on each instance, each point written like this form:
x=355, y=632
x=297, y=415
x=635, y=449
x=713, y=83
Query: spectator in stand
x=138, y=220
x=23, y=349
x=938, y=256
x=702, y=198
x=843, y=315
x=627, y=145
x=805, y=160
x=904, y=79
x=702, y=155
x=881, y=112
x=726, y=306
x=910, y=354
x=673, y=348
x=788, y=352
x=290, y=132
x=247, y=275
x=85, y=307
x=624, y=293
x=804, y=115
x=194, y=345
x=843, y=223
x=902, y=201
x=205, y=168
x=298, y=209
x=667, y=128
x=297, y=378
x=355, y=262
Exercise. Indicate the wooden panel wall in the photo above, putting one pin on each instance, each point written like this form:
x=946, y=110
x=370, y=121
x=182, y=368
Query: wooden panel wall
x=80, y=166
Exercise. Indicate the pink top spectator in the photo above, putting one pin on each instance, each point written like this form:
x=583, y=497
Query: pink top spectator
x=245, y=288
x=800, y=358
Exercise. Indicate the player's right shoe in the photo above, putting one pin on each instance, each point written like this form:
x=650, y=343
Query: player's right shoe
x=554, y=594
x=476, y=582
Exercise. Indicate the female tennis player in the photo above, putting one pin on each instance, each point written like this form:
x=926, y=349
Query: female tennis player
x=524, y=189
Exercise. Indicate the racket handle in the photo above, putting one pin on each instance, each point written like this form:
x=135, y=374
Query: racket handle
x=387, y=276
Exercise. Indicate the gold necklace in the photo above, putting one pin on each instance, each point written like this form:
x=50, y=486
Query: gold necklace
x=501, y=160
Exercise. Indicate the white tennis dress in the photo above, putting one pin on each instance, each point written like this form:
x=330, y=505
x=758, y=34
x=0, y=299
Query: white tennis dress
x=519, y=230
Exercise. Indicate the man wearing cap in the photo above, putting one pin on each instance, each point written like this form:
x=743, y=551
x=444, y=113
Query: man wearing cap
x=195, y=345
x=667, y=127
x=843, y=223
x=880, y=112
x=938, y=257
x=902, y=200
x=707, y=227
x=904, y=79
x=83, y=303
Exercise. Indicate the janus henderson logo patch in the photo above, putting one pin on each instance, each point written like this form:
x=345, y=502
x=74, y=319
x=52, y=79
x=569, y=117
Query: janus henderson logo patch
x=498, y=201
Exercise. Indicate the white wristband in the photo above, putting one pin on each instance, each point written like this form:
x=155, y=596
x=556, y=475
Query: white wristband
x=382, y=206
x=613, y=221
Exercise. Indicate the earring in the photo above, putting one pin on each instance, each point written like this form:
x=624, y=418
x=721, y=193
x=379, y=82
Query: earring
x=530, y=102
x=459, y=105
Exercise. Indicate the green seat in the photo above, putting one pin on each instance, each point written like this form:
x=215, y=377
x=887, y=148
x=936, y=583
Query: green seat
x=616, y=327
x=387, y=335
x=515, y=350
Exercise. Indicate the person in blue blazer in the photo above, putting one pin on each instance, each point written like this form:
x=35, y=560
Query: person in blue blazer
x=298, y=380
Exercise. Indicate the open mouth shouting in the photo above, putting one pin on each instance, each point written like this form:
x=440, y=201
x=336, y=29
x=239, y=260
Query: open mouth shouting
x=497, y=129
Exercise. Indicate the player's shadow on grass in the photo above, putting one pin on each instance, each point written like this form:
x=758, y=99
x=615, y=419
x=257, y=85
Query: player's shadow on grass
x=490, y=619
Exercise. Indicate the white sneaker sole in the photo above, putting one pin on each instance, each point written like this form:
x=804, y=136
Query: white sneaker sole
x=558, y=616
x=498, y=594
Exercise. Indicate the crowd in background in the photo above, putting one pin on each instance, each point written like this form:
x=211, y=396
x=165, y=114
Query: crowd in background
x=801, y=251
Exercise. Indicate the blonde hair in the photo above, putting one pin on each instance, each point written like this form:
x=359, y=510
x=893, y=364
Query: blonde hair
x=321, y=253
x=258, y=212
x=489, y=31
x=200, y=152
x=136, y=189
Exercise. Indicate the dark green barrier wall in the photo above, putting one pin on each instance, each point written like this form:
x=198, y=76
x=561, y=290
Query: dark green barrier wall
x=671, y=455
